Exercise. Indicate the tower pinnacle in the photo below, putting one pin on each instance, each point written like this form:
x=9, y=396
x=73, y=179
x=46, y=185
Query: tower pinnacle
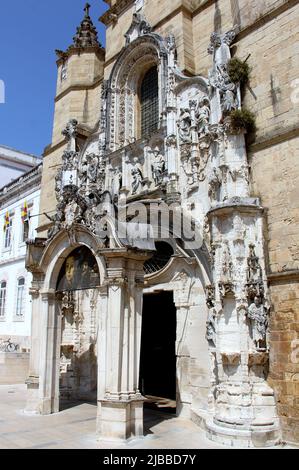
x=86, y=35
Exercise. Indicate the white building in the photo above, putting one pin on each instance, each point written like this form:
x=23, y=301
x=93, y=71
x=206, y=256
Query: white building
x=19, y=201
x=14, y=163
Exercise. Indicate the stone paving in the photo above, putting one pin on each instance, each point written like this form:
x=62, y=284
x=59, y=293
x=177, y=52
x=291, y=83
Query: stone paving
x=74, y=428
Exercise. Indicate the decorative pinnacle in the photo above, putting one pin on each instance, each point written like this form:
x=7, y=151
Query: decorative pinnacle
x=86, y=35
x=86, y=9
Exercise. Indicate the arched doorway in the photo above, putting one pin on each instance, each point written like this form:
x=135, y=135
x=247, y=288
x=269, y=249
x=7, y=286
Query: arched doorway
x=77, y=293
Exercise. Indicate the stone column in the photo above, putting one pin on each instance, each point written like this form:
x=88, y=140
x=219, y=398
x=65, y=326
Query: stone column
x=244, y=406
x=32, y=405
x=120, y=414
x=50, y=341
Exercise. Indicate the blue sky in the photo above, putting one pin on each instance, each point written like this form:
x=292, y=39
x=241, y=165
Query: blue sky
x=30, y=32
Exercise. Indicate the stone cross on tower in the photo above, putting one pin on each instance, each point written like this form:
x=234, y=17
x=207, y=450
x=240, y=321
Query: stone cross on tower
x=86, y=9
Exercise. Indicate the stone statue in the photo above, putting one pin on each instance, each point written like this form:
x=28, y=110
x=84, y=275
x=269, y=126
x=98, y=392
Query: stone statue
x=258, y=317
x=184, y=125
x=202, y=116
x=137, y=177
x=214, y=184
x=92, y=167
x=158, y=167
x=228, y=90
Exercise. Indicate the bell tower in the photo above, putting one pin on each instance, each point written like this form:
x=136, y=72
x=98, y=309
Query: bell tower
x=80, y=72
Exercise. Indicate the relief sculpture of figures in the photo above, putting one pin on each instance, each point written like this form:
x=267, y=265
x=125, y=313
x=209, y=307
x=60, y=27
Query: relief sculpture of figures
x=258, y=316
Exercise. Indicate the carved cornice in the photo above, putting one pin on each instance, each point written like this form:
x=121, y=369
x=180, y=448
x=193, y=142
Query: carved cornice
x=283, y=277
x=111, y=16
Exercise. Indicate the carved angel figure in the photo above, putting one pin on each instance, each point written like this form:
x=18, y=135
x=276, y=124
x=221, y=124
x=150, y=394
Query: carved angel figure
x=258, y=316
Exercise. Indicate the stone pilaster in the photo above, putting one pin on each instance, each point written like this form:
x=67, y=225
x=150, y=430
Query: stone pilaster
x=120, y=415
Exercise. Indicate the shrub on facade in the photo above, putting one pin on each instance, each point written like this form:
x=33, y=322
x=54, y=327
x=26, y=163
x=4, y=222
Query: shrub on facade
x=242, y=119
x=239, y=71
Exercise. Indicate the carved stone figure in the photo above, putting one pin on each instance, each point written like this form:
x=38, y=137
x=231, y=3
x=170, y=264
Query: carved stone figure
x=137, y=177
x=258, y=316
x=158, y=167
x=210, y=296
x=227, y=89
x=184, y=125
x=58, y=183
x=211, y=327
x=58, y=220
x=254, y=275
x=202, y=116
x=70, y=132
x=92, y=167
x=215, y=182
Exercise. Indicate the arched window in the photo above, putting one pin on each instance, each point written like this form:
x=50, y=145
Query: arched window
x=149, y=102
x=20, y=297
x=2, y=298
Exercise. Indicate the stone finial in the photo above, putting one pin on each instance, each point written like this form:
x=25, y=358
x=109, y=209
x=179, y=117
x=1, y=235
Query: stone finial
x=86, y=35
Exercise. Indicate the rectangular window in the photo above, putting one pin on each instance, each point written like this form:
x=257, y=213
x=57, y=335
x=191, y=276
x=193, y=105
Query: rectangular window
x=8, y=234
x=2, y=299
x=20, y=298
x=25, y=230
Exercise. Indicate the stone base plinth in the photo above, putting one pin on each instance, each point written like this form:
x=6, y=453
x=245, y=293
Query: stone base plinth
x=268, y=436
x=120, y=420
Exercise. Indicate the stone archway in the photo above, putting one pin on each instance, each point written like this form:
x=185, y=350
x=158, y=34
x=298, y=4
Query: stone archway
x=46, y=262
x=77, y=296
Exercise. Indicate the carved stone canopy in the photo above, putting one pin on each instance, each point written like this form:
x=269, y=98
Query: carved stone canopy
x=139, y=27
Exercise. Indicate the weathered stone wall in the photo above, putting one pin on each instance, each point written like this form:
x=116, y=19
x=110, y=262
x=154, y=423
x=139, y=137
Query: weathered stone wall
x=284, y=355
x=14, y=368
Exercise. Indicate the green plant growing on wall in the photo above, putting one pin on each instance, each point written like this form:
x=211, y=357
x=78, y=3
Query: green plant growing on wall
x=242, y=119
x=239, y=71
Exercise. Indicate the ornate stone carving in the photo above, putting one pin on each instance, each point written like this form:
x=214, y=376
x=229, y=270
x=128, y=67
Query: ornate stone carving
x=255, y=285
x=259, y=320
x=139, y=27
x=184, y=126
x=210, y=296
x=202, y=116
x=67, y=302
x=215, y=182
x=217, y=40
x=211, y=327
x=158, y=167
x=137, y=176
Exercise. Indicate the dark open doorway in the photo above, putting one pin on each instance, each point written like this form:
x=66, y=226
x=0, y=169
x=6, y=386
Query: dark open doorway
x=158, y=355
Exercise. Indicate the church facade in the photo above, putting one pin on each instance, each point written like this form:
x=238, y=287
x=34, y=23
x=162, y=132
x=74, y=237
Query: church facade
x=163, y=275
